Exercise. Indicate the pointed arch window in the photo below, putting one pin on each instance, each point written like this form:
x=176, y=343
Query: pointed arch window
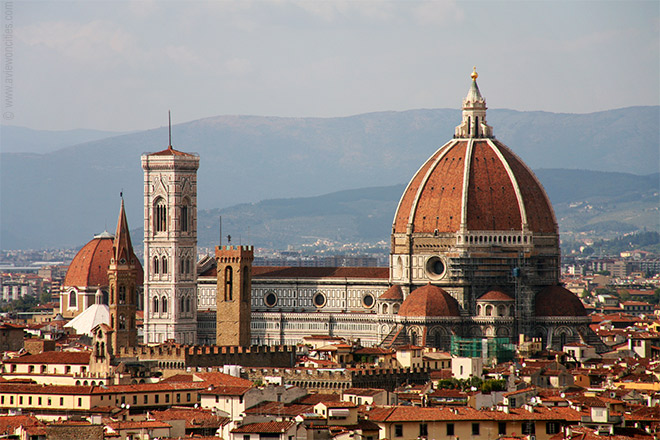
x=72, y=298
x=164, y=305
x=156, y=265
x=182, y=305
x=229, y=282
x=160, y=215
x=122, y=295
x=155, y=308
x=122, y=322
x=164, y=262
x=187, y=304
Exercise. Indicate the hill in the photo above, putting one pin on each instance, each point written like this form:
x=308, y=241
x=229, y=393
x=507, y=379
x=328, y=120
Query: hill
x=365, y=215
x=60, y=199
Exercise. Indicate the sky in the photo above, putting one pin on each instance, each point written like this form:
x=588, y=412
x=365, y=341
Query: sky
x=122, y=65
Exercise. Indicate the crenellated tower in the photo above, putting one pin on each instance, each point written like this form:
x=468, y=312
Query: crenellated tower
x=170, y=246
x=233, y=295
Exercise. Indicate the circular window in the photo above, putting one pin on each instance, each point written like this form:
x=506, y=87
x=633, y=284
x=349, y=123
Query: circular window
x=319, y=299
x=270, y=299
x=368, y=300
x=435, y=268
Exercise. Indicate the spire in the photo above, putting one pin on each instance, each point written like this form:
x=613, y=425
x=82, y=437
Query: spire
x=169, y=126
x=474, y=124
x=123, y=249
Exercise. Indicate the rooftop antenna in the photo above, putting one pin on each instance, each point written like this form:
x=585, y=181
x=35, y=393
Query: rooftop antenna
x=169, y=124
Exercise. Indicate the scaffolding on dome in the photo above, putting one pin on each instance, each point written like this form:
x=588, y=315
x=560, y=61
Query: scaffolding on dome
x=491, y=350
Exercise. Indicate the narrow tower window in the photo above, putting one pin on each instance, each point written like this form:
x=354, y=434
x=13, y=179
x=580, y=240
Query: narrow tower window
x=229, y=275
x=245, y=294
x=184, y=218
x=72, y=298
x=164, y=265
x=155, y=308
x=164, y=305
x=156, y=265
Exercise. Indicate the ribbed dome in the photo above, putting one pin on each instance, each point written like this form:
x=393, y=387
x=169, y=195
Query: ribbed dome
x=558, y=301
x=90, y=265
x=429, y=301
x=478, y=183
x=474, y=183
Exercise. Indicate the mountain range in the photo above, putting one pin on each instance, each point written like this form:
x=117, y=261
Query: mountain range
x=62, y=197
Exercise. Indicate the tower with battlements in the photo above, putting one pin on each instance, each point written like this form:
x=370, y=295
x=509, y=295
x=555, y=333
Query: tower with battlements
x=233, y=295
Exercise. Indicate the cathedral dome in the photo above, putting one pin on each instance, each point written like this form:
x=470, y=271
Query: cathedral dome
x=558, y=301
x=474, y=183
x=429, y=301
x=90, y=265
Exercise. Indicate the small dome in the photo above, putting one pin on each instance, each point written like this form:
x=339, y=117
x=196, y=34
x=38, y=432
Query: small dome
x=394, y=293
x=429, y=300
x=558, y=301
x=495, y=295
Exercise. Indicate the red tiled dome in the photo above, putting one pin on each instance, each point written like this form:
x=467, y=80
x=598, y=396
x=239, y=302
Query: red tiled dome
x=495, y=295
x=394, y=293
x=558, y=301
x=429, y=300
x=500, y=194
x=90, y=265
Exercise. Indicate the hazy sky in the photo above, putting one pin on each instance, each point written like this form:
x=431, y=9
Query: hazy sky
x=121, y=65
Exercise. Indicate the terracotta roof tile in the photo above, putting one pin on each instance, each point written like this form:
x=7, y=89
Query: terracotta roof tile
x=53, y=357
x=394, y=293
x=320, y=272
x=264, y=428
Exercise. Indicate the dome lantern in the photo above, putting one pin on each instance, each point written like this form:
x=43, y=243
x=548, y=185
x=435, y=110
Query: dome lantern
x=474, y=123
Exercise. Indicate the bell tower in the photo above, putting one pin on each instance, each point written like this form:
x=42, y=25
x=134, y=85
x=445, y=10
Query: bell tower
x=170, y=246
x=233, y=295
x=123, y=286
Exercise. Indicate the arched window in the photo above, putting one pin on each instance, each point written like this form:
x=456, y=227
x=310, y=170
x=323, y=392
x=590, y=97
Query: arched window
x=156, y=265
x=184, y=217
x=164, y=305
x=72, y=298
x=189, y=265
x=229, y=282
x=182, y=305
x=500, y=311
x=164, y=261
x=160, y=215
x=122, y=294
x=155, y=308
x=182, y=265
x=246, y=284
x=122, y=322
x=489, y=310
x=187, y=304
